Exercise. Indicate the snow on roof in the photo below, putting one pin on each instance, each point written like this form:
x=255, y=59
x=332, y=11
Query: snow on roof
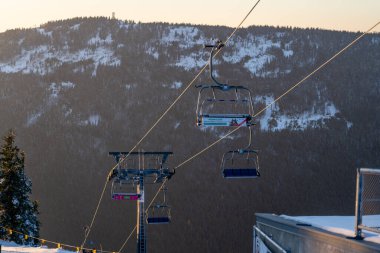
x=343, y=225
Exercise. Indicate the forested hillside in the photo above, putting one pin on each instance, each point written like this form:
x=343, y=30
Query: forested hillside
x=76, y=89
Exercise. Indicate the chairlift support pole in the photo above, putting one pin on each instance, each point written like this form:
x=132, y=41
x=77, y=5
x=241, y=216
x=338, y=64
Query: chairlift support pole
x=141, y=239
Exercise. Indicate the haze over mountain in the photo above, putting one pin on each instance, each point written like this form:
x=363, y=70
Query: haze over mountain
x=76, y=89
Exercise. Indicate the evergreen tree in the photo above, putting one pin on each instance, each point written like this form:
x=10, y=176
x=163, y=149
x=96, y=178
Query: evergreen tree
x=17, y=212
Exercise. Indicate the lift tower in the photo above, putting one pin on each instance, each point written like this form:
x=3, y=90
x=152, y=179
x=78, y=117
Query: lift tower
x=137, y=169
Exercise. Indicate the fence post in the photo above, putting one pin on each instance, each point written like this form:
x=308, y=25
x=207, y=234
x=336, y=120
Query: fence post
x=254, y=240
x=358, y=205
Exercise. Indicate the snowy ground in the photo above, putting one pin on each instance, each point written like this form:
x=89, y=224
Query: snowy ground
x=12, y=247
x=343, y=225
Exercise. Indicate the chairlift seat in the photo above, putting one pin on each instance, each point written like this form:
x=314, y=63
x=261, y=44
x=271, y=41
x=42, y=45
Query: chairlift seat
x=125, y=196
x=158, y=220
x=241, y=173
x=234, y=120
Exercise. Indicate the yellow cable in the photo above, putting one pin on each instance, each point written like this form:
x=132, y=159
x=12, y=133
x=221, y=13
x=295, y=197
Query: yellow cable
x=125, y=242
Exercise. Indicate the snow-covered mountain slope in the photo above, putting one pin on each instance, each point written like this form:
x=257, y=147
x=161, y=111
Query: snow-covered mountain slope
x=43, y=59
x=255, y=56
x=273, y=120
x=252, y=52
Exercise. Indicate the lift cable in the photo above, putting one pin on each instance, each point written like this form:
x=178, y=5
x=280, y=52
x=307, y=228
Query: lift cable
x=125, y=242
x=156, y=123
x=241, y=23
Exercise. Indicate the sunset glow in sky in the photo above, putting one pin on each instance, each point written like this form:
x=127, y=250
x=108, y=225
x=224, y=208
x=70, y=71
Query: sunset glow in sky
x=328, y=14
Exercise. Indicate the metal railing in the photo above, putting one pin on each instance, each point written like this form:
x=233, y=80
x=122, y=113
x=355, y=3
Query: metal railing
x=367, y=205
x=267, y=240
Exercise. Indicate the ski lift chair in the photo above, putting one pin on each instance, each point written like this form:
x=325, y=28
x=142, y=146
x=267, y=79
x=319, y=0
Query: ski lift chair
x=233, y=96
x=159, y=213
x=232, y=117
x=240, y=164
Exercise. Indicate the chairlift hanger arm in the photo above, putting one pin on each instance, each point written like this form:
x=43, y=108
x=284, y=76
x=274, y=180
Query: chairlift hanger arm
x=214, y=48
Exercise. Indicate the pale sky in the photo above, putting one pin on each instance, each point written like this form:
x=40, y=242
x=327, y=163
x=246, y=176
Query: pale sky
x=351, y=15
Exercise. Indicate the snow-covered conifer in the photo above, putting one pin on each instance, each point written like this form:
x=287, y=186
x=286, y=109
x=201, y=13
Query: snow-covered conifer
x=17, y=212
